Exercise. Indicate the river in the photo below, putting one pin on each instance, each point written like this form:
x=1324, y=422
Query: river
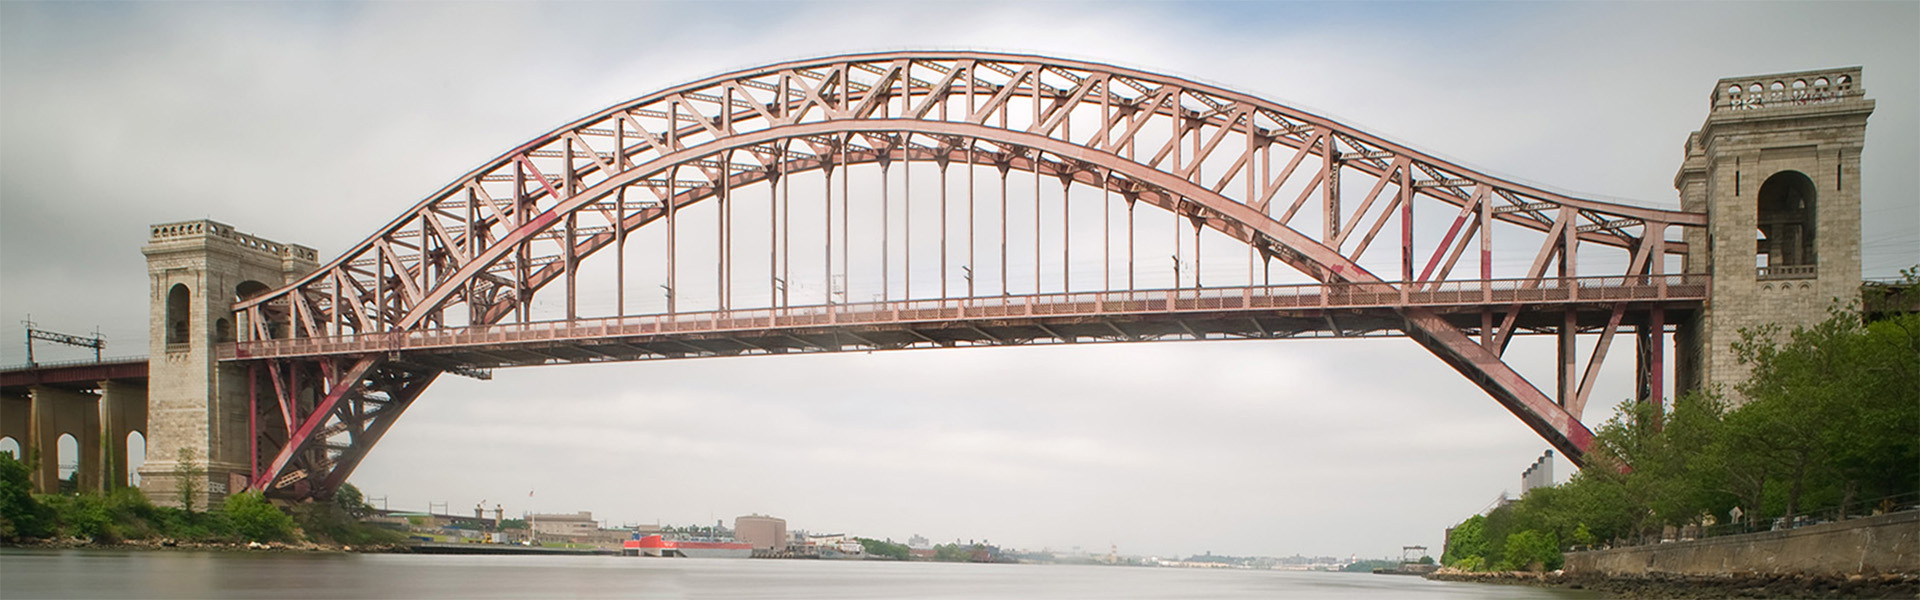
x=92, y=573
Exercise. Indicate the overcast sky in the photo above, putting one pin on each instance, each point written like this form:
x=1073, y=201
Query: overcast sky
x=317, y=123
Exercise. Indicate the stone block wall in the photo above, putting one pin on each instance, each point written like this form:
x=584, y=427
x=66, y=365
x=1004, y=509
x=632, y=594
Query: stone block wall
x=1880, y=544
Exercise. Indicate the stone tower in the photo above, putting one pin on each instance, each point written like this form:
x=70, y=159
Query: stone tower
x=1776, y=168
x=198, y=269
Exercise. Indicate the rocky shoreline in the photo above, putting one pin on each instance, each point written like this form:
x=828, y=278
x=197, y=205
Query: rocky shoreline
x=1659, y=585
x=168, y=544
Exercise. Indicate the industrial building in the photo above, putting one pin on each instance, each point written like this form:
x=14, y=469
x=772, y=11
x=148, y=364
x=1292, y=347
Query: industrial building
x=764, y=532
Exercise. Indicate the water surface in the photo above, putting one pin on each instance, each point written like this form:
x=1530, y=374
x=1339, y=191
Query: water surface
x=280, y=575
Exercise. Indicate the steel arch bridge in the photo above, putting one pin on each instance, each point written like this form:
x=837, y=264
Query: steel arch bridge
x=771, y=211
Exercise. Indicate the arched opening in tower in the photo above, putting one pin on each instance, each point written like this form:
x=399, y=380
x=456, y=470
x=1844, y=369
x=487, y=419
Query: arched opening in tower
x=177, y=313
x=1786, y=222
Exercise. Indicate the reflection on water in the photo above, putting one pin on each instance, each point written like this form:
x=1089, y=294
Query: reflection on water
x=193, y=574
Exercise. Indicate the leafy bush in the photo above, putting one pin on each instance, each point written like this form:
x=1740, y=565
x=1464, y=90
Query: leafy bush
x=21, y=517
x=256, y=519
x=338, y=521
x=1531, y=551
x=886, y=549
x=83, y=516
x=1468, y=539
x=1469, y=563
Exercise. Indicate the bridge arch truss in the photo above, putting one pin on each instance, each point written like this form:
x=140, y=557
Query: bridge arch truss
x=488, y=271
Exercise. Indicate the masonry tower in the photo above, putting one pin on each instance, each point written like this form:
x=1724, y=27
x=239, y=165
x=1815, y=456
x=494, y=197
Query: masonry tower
x=198, y=270
x=1776, y=168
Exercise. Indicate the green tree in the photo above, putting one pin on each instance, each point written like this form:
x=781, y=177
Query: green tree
x=886, y=549
x=1832, y=416
x=1583, y=536
x=20, y=515
x=1834, y=411
x=256, y=519
x=1531, y=551
x=339, y=520
x=957, y=552
x=1466, y=541
x=186, y=474
x=352, y=502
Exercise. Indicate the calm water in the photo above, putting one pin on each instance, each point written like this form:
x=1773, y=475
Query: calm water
x=149, y=574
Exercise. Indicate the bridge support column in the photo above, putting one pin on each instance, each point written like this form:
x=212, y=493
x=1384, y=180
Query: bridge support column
x=123, y=410
x=1776, y=168
x=198, y=406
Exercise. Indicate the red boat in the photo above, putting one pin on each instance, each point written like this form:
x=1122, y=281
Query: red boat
x=654, y=545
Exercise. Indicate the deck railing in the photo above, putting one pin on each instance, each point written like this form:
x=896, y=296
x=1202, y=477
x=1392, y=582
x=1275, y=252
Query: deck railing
x=1497, y=292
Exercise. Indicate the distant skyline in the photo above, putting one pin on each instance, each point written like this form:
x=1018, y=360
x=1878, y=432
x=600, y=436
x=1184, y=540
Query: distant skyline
x=316, y=123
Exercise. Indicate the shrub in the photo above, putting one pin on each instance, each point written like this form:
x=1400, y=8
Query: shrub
x=336, y=522
x=82, y=516
x=20, y=515
x=1532, y=551
x=1469, y=563
x=1467, y=540
x=256, y=519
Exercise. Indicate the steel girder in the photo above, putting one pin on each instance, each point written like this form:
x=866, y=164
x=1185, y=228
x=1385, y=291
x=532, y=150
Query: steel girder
x=475, y=252
x=313, y=420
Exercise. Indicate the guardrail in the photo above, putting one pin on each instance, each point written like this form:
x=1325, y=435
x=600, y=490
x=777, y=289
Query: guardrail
x=1756, y=522
x=1786, y=272
x=1499, y=292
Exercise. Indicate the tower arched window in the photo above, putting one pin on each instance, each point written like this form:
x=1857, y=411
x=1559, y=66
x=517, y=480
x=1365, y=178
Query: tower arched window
x=1786, y=237
x=178, y=311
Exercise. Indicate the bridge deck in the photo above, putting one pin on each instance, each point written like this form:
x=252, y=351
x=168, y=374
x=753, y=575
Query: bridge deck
x=1310, y=310
x=75, y=374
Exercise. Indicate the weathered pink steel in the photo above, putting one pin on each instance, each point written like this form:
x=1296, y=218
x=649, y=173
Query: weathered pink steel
x=450, y=285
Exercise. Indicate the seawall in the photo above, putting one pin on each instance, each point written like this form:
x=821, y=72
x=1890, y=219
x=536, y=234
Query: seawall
x=1884, y=544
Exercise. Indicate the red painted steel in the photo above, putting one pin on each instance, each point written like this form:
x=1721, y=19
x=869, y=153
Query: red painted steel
x=452, y=282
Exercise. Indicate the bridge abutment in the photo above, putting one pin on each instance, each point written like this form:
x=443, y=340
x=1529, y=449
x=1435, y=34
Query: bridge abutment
x=1776, y=168
x=198, y=408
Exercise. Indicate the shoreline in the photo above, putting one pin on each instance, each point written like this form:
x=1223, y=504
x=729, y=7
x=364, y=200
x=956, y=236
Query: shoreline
x=168, y=544
x=1659, y=585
